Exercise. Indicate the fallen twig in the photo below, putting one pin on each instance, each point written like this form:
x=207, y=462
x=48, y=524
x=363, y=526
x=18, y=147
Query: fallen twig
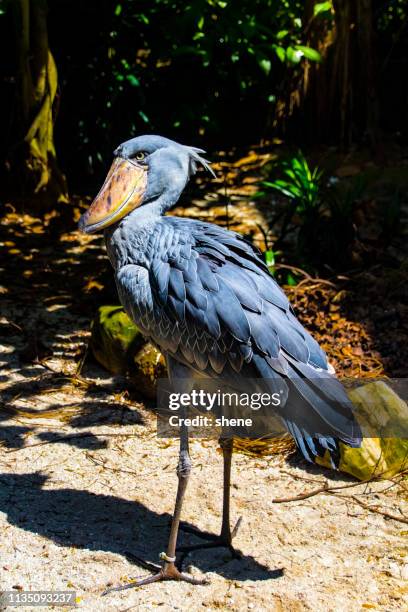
x=394, y=517
x=326, y=489
x=296, y=270
x=316, y=282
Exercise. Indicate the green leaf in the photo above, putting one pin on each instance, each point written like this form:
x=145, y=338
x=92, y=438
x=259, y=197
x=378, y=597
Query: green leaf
x=322, y=7
x=282, y=34
x=144, y=117
x=265, y=65
x=200, y=23
x=269, y=258
x=288, y=189
x=297, y=177
x=280, y=52
x=258, y=194
x=290, y=280
x=309, y=53
x=118, y=10
x=294, y=55
x=133, y=80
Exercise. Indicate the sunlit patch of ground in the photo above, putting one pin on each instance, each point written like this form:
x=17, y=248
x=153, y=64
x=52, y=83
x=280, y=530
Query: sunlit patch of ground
x=84, y=478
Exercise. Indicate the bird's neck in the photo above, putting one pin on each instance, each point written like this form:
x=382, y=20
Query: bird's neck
x=127, y=242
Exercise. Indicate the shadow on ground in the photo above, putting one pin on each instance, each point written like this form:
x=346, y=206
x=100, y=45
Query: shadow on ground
x=74, y=518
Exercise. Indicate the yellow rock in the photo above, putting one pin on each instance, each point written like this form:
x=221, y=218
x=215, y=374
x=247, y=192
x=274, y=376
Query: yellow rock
x=148, y=365
x=378, y=409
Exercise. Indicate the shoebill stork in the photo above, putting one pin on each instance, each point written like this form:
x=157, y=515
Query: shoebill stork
x=205, y=298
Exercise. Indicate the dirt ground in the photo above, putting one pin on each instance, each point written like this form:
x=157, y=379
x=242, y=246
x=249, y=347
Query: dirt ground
x=82, y=488
x=85, y=483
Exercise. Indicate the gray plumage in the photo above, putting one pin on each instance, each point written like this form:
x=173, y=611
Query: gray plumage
x=204, y=296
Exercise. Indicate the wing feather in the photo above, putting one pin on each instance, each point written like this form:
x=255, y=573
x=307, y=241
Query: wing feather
x=230, y=319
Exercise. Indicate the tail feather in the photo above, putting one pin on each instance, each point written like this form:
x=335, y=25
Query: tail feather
x=318, y=413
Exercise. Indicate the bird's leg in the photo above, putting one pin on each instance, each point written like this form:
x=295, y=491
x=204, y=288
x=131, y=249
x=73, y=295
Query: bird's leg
x=169, y=571
x=183, y=474
x=226, y=536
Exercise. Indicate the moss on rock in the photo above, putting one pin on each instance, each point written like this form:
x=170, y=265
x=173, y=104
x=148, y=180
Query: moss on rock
x=118, y=345
x=115, y=339
x=378, y=408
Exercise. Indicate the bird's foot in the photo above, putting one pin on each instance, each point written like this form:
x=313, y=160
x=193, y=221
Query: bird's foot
x=169, y=571
x=224, y=540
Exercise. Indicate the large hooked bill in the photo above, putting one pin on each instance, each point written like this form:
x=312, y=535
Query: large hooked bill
x=122, y=192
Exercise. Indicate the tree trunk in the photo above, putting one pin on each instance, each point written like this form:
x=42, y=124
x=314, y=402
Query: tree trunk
x=33, y=158
x=368, y=72
x=339, y=98
x=341, y=90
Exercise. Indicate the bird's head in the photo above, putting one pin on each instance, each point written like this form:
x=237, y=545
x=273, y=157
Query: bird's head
x=145, y=170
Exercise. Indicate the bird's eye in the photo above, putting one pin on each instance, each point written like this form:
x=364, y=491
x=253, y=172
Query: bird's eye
x=140, y=155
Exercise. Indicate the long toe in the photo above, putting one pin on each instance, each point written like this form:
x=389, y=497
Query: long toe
x=168, y=572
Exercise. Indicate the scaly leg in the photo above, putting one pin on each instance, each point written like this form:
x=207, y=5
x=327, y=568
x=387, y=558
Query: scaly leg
x=169, y=570
x=226, y=536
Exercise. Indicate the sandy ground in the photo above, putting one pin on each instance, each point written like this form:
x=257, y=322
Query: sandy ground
x=84, y=480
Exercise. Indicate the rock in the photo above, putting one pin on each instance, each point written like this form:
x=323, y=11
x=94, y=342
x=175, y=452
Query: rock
x=115, y=339
x=148, y=365
x=118, y=345
x=378, y=409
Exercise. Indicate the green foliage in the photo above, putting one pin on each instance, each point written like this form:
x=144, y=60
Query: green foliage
x=245, y=36
x=217, y=71
x=322, y=7
x=280, y=273
x=320, y=210
x=270, y=258
x=299, y=183
x=185, y=69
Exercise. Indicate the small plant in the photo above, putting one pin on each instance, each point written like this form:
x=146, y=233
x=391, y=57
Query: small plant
x=271, y=257
x=300, y=184
x=324, y=211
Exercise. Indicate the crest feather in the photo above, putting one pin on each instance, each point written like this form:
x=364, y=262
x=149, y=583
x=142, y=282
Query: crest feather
x=196, y=159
